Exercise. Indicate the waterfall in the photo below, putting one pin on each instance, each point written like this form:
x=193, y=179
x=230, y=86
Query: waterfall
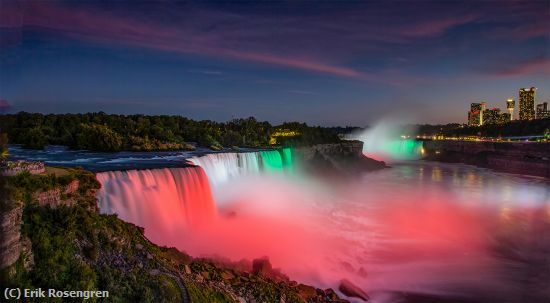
x=166, y=201
x=221, y=167
x=152, y=199
x=407, y=149
x=271, y=160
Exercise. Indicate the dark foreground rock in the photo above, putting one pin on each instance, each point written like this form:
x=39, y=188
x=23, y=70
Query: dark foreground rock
x=351, y=290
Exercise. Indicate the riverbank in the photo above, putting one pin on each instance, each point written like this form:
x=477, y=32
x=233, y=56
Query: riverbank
x=526, y=158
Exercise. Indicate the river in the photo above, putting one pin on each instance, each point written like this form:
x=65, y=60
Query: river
x=450, y=231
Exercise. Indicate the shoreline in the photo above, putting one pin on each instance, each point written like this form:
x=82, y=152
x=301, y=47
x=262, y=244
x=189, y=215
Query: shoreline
x=532, y=159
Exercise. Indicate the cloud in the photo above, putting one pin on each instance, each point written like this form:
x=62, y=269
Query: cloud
x=206, y=72
x=352, y=41
x=95, y=26
x=538, y=65
x=302, y=92
x=436, y=27
x=5, y=105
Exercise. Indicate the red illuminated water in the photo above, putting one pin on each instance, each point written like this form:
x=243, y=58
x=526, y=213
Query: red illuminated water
x=449, y=230
x=165, y=201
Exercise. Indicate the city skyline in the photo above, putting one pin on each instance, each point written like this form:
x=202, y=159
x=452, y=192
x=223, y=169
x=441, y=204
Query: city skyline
x=528, y=109
x=348, y=63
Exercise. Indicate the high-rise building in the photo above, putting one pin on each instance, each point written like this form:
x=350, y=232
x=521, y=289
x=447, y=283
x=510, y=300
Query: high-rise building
x=504, y=118
x=475, y=115
x=542, y=110
x=473, y=118
x=494, y=116
x=510, y=105
x=491, y=116
x=527, y=103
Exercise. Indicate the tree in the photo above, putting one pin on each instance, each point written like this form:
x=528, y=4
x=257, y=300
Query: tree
x=98, y=137
x=34, y=138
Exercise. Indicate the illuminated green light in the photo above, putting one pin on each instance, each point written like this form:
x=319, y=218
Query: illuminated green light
x=403, y=149
x=271, y=160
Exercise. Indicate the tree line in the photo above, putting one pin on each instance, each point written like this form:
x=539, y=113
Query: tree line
x=108, y=132
x=537, y=127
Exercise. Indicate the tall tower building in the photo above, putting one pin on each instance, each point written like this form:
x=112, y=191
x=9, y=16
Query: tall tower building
x=483, y=108
x=510, y=105
x=527, y=103
x=542, y=110
x=475, y=115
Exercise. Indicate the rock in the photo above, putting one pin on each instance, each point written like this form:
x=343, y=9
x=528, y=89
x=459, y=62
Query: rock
x=205, y=275
x=351, y=290
x=278, y=275
x=347, y=267
x=227, y=275
x=187, y=269
x=362, y=272
x=261, y=267
x=330, y=294
x=241, y=300
x=139, y=246
x=307, y=292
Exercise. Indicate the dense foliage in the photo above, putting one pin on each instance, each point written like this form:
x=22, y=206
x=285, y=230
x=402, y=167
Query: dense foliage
x=103, y=132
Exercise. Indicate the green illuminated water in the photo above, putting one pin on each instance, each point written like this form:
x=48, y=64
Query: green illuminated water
x=288, y=162
x=271, y=161
x=398, y=149
x=277, y=160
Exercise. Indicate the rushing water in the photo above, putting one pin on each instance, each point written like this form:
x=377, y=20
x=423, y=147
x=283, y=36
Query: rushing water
x=449, y=230
x=57, y=155
x=166, y=201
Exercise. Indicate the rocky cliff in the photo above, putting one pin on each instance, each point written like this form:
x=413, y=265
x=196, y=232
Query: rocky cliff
x=528, y=158
x=10, y=235
x=12, y=244
x=343, y=157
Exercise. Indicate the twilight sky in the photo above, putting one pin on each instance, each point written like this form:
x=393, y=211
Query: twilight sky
x=329, y=63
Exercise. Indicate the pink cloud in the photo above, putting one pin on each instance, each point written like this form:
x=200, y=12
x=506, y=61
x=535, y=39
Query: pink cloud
x=98, y=27
x=540, y=65
x=436, y=26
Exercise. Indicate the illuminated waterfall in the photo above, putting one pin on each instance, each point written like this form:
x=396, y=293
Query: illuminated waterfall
x=168, y=201
x=222, y=167
x=385, y=142
x=151, y=198
x=406, y=149
x=271, y=160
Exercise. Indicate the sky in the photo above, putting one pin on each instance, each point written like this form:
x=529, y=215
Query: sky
x=325, y=63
